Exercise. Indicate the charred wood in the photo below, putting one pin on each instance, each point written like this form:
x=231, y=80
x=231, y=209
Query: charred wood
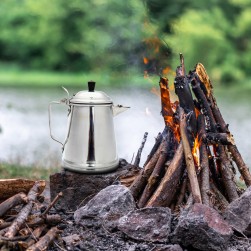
x=204, y=164
x=138, y=156
x=189, y=159
x=227, y=174
x=165, y=192
x=141, y=180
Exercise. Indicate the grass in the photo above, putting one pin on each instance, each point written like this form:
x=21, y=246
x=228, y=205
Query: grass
x=8, y=171
x=17, y=77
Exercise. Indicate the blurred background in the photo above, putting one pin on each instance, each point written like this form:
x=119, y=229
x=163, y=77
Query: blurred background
x=124, y=46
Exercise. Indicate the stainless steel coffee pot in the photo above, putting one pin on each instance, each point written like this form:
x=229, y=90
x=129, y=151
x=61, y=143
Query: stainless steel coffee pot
x=89, y=146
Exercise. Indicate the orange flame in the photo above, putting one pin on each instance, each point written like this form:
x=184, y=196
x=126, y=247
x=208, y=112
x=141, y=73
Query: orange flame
x=166, y=70
x=145, y=60
x=196, y=151
x=168, y=108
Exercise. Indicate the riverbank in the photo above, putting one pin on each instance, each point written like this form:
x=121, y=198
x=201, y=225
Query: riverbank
x=8, y=171
x=20, y=78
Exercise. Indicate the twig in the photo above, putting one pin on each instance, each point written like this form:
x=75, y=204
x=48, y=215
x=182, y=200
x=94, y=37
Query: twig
x=58, y=196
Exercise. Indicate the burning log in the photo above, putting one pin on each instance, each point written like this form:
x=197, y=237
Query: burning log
x=219, y=138
x=189, y=159
x=204, y=164
x=208, y=89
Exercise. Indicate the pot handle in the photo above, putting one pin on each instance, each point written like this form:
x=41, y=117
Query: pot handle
x=64, y=101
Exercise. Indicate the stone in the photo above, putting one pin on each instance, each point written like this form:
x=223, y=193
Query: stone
x=106, y=207
x=174, y=247
x=147, y=224
x=79, y=188
x=238, y=213
x=203, y=228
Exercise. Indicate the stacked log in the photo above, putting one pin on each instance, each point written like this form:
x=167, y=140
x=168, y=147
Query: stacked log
x=193, y=159
x=25, y=222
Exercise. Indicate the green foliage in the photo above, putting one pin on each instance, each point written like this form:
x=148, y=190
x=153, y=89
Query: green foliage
x=214, y=32
x=71, y=35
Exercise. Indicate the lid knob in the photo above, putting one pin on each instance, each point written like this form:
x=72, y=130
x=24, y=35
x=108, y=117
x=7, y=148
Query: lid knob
x=91, y=86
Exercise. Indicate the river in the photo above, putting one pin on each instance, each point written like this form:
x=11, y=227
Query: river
x=25, y=139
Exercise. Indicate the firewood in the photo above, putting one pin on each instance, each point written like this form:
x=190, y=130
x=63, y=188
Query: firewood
x=141, y=180
x=59, y=195
x=204, y=164
x=204, y=105
x=17, y=199
x=164, y=194
x=23, y=214
x=243, y=168
x=181, y=84
x=220, y=197
x=155, y=148
x=182, y=192
x=155, y=176
x=10, y=187
x=33, y=238
x=190, y=201
x=45, y=241
x=227, y=175
x=189, y=159
x=138, y=156
x=219, y=138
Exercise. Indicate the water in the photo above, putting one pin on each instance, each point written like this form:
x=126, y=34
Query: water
x=25, y=139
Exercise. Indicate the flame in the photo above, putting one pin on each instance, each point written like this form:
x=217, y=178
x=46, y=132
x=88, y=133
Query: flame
x=196, y=151
x=154, y=43
x=166, y=70
x=197, y=112
x=145, y=60
x=168, y=108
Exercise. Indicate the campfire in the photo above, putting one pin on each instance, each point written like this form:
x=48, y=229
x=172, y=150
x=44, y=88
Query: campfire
x=192, y=159
x=185, y=197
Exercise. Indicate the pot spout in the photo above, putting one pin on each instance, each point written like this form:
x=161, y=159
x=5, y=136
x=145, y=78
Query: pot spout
x=117, y=109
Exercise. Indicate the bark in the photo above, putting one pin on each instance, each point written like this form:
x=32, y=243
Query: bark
x=138, y=156
x=45, y=241
x=219, y=138
x=220, y=197
x=189, y=159
x=227, y=175
x=24, y=213
x=155, y=176
x=204, y=105
x=34, y=237
x=10, y=187
x=182, y=192
x=155, y=147
x=204, y=163
x=17, y=199
x=204, y=79
x=184, y=94
x=165, y=192
x=141, y=180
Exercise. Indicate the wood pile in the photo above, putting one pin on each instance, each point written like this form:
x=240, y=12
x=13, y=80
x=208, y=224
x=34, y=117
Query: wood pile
x=25, y=222
x=193, y=159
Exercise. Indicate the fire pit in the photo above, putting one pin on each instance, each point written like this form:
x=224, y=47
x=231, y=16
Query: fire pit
x=185, y=197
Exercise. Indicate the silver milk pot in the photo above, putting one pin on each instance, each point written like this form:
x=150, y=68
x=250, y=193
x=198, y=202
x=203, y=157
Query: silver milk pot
x=90, y=145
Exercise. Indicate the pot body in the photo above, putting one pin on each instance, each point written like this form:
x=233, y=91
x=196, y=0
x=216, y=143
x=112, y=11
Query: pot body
x=90, y=145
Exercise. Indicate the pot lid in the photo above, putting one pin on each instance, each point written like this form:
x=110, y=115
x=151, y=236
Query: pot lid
x=91, y=96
